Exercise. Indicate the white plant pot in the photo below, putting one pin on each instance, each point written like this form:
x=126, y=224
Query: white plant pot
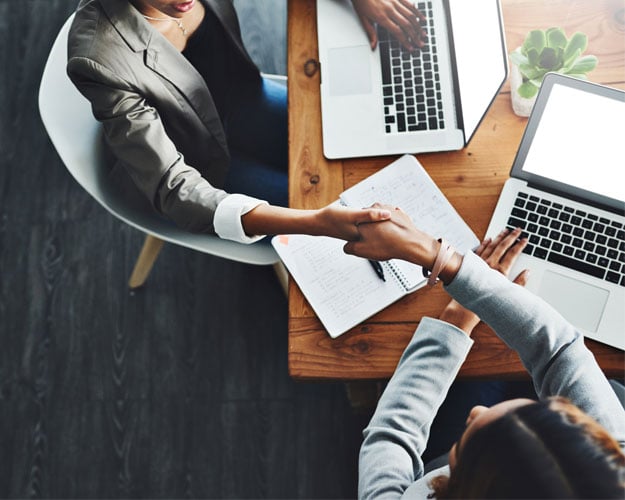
x=521, y=106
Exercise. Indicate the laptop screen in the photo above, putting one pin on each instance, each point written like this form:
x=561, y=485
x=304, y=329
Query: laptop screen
x=573, y=142
x=480, y=57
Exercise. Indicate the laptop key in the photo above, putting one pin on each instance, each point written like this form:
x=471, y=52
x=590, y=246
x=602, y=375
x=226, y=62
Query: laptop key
x=514, y=222
x=612, y=277
x=541, y=253
x=582, y=267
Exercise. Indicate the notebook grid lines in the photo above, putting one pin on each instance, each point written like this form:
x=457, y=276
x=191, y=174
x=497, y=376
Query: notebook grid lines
x=411, y=84
x=571, y=237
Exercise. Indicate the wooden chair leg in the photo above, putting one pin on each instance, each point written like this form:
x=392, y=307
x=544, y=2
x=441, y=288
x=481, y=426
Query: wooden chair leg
x=283, y=276
x=151, y=248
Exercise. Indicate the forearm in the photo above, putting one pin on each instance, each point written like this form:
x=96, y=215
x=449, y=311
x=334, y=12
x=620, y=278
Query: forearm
x=390, y=456
x=268, y=219
x=551, y=349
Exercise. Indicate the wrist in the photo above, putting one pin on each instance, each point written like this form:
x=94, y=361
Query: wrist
x=460, y=317
x=425, y=253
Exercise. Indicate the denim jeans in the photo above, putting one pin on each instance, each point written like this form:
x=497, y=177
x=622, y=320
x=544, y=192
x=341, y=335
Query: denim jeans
x=257, y=132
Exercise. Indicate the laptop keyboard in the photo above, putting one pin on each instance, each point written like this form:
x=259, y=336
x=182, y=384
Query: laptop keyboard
x=572, y=238
x=411, y=82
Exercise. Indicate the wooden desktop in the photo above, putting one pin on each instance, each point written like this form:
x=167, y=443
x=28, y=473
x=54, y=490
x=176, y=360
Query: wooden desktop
x=471, y=179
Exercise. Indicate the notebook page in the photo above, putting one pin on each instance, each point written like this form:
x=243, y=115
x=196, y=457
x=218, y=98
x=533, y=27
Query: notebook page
x=342, y=289
x=405, y=184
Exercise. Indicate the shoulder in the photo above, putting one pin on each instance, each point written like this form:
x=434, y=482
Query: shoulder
x=96, y=46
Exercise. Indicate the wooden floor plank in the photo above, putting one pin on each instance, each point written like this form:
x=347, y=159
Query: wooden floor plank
x=179, y=389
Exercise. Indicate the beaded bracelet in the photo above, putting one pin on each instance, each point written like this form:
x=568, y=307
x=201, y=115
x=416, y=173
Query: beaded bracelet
x=445, y=252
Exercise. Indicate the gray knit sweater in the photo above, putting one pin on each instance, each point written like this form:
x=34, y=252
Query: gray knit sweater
x=551, y=349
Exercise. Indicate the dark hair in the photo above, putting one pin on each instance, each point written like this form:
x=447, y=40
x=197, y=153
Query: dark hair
x=549, y=449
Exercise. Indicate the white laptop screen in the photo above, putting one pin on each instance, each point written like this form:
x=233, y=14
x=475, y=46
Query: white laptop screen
x=575, y=139
x=477, y=28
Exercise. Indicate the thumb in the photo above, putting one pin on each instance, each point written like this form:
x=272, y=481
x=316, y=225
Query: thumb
x=348, y=248
x=522, y=277
x=372, y=215
x=370, y=29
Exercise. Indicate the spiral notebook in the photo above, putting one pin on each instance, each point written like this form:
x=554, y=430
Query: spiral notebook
x=344, y=290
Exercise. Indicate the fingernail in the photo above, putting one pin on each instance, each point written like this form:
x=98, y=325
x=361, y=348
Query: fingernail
x=385, y=213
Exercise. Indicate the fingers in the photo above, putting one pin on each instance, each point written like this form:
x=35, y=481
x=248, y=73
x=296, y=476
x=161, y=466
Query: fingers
x=408, y=18
x=371, y=215
x=513, y=252
x=482, y=246
x=348, y=248
x=522, y=277
x=502, y=252
x=370, y=30
x=500, y=245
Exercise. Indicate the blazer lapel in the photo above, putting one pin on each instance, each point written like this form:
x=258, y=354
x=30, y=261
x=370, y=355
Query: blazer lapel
x=163, y=58
x=226, y=13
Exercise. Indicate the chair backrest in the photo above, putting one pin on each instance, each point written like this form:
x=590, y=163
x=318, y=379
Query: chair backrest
x=77, y=137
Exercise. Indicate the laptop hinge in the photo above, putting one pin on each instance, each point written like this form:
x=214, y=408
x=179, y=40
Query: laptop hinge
x=454, y=70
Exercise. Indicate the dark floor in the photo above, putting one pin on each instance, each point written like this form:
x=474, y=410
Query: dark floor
x=178, y=390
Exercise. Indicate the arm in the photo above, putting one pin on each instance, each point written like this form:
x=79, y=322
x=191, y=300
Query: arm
x=137, y=136
x=550, y=348
x=390, y=455
x=390, y=459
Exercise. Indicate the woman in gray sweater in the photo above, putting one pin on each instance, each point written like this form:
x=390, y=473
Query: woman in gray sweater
x=569, y=444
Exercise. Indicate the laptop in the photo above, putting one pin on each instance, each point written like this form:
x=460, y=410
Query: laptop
x=566, y=191
x=390, y=101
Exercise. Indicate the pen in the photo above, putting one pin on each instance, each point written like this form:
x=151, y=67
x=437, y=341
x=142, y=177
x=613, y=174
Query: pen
x=377, y=267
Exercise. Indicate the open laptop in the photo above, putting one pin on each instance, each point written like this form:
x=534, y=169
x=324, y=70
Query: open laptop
x=567, y=193
x=390, y=101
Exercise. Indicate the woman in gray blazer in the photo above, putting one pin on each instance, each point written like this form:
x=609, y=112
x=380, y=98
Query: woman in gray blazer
x=189, y=119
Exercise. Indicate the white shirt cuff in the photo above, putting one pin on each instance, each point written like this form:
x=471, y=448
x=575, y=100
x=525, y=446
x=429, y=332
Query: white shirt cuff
x=228, y=214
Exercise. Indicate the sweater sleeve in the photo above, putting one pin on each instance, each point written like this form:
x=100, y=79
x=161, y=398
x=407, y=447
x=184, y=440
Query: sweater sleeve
x=551, y=349
x=390, y=456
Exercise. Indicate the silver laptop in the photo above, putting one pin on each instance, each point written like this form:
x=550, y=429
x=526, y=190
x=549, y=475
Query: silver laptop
x=567, y=193
x=390, y=101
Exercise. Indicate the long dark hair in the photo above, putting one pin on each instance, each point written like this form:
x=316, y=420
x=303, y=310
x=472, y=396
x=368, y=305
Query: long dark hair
x=549, y=449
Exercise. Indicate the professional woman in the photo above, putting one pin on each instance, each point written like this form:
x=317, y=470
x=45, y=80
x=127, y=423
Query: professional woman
x=569, y=444
x=190, y=122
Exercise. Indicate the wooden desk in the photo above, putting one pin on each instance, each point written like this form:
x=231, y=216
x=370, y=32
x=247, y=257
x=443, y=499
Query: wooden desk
x=471, y=179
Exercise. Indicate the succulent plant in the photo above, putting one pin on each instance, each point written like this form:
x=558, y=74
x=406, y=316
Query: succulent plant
x=545, y=51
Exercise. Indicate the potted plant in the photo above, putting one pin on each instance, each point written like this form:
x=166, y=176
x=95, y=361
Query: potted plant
x=545, y=51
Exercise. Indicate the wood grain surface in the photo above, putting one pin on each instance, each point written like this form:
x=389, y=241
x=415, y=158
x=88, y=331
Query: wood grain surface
x=179, y=390
x=471, y=178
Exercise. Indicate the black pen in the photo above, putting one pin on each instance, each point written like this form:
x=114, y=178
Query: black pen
x=377, y=267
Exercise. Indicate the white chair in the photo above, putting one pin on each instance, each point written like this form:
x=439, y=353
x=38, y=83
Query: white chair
x=77, y=137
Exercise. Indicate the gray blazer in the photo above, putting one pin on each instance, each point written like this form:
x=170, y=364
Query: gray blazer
x=159, y=118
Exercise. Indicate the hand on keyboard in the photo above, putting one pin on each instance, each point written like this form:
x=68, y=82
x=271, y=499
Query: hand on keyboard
x=400, y=17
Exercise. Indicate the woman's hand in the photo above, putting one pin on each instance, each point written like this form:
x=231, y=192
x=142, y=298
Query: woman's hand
x=397, y=238
x=341, y=222
x=500, y=254
x=333, y=220
x=400, y=17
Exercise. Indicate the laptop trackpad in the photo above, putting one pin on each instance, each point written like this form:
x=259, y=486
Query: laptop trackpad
x=349, y=67
x=580, y=303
